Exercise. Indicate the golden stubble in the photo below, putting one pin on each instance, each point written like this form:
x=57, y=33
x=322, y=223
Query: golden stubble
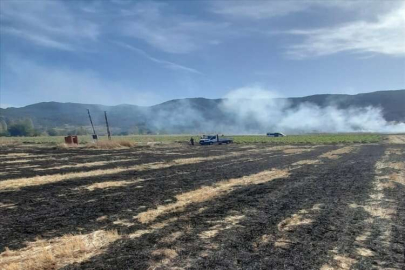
x=396, y=139
x=57, y=252
x=87, y=164
x=338, y=262
x=15, y=184
x=108, y=184
x=208, y=193
x=227, y=223
x=290, y=224
x=336, y=154
x=298, y=219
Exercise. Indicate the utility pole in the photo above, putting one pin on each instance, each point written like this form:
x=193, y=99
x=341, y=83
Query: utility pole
x=108, y=127
x=91, y=121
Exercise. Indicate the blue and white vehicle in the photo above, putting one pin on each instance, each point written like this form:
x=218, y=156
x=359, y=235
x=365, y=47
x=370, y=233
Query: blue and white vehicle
x=211, y=139
x=277, y=134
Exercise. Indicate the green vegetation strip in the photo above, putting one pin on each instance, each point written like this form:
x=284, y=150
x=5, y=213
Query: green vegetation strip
x=311, y=139
x=241, y=139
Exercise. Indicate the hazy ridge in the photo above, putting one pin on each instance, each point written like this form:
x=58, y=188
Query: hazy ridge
x=204, y=115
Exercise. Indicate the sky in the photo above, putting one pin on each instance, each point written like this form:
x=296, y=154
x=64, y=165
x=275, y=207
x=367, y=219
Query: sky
x=146, y=52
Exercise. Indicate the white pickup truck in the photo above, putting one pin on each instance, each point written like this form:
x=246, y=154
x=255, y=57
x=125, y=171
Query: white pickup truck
x=211, y=139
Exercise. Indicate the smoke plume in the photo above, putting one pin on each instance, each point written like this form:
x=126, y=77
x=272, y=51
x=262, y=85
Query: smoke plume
x=256, y=110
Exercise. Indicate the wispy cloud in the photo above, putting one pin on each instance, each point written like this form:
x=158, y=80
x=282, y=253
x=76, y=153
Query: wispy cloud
x=37, y=38
x=164, y=63
x=46, y=23
x=259, y=10
x=379, y=26
x=384, y=35
x=159, y=26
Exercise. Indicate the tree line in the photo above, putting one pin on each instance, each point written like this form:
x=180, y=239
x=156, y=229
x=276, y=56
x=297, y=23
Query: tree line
x=25, y=127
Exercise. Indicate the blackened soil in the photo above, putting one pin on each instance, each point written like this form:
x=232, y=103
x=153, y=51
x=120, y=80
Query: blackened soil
x=321, y=194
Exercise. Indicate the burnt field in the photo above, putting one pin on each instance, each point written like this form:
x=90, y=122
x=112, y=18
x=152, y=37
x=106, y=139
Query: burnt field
x=255, y=206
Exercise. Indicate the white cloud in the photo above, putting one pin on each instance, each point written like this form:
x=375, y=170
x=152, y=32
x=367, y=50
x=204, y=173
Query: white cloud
x=386, y=35
x=46, y=23
x=36, y=83
x=258, y=9
x=158, y=26
x=164, y=63
x=37, y=38
x=265, y=9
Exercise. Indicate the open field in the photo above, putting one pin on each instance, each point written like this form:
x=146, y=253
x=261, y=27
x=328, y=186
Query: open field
x=143, y=139
x=308, y=203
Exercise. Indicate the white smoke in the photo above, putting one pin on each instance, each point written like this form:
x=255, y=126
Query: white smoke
x=256, y=110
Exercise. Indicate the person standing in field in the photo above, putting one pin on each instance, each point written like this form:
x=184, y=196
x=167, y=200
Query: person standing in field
x=192, y=141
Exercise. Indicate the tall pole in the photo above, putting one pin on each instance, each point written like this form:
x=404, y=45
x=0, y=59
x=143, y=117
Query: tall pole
x=108, y=127
x=91, y=121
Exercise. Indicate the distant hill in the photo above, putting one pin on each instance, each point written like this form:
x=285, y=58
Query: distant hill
x=187, y=115
x=391, y=102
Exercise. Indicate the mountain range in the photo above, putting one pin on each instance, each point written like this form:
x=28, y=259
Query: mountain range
x=192, y=114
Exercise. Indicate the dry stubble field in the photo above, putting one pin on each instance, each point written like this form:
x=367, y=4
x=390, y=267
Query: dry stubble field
x=224, y=207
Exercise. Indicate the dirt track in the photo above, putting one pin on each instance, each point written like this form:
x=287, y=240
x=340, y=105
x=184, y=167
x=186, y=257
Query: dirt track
x=223, y=207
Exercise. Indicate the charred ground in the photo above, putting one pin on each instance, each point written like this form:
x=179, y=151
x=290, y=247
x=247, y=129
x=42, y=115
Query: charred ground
x=224, y=207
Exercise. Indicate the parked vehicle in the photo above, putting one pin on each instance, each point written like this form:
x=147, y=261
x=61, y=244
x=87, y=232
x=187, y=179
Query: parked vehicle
x=277, y=134
x=211, y=139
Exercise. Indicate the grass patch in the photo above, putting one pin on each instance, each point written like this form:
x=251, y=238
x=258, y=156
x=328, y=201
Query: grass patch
x=311, y=139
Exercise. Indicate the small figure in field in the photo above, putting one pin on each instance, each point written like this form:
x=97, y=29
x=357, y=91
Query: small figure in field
x=192, y=141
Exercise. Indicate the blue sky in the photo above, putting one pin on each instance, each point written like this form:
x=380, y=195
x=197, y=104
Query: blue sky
x=147, y=52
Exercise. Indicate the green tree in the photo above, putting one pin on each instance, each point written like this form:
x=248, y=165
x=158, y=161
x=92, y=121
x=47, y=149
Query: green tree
x=3, y=128
x=81, y=131
x=52, y=132
x=28, y=123
x=22, y=127
x=78, y=131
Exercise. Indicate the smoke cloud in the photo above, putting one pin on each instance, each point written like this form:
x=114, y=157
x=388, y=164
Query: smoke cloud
x=253, y=110
x=259, y=110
